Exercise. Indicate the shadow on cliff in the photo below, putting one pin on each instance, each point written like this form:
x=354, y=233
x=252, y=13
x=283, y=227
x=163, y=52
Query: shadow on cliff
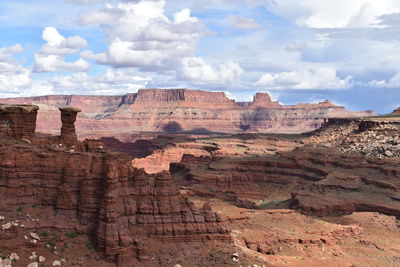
x=172, y=127
x=203, y=131
x=137, y=149
x=252, y=118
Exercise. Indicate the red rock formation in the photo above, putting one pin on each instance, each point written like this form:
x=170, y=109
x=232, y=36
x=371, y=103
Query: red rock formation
x=68, y=117
x=101, y=194
x=177, y=110
x=182, y=98
x=315, y=181
x=264, y=100
x=18, y=121
x=396, y=111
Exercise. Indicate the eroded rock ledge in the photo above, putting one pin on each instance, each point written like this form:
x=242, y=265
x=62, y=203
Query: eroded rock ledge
x=96, y=192
x=183, y=110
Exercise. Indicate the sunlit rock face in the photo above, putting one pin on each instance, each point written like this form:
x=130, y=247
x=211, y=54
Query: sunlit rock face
x=182, y=110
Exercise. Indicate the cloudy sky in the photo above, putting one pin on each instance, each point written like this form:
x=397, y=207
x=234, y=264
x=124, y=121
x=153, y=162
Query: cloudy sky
x=297, y=50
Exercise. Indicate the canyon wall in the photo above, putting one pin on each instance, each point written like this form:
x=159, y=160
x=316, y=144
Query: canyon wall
x=182, y=110
x=18, y=121
x=95, y=192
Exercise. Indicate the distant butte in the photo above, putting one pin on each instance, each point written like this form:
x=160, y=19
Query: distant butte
x=181, y=111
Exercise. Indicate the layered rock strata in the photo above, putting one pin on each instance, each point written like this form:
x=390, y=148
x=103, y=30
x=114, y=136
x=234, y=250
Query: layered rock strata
x=316, y=181
x=68, y=133
x=182, y=110
x=18, y=121
x=100, y=194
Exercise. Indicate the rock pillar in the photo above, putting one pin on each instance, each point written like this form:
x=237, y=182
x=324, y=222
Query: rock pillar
x=264, y=100
x=68, y=117
x=18, y=121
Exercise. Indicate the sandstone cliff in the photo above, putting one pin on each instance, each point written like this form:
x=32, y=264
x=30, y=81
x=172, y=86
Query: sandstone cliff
x=181, y=110
x=95, y=192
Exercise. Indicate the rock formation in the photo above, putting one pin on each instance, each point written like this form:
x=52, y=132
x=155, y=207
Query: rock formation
x=18, y=121
x=370, y=137
x=264, y=100
x=182, y=110
x=396, y=111
x=100, y=194
x=68, y=118
x=315, y=181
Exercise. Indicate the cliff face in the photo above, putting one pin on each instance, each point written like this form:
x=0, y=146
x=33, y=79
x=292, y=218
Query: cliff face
x=100, y=193
x=182, y=110
x=95, y=192
x=18, y=121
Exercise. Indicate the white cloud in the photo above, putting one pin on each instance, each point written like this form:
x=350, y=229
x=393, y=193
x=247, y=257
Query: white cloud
x=112, y=81
x=50, y=58
x=52, y=36
x=53, y=63
x=58, y=44
x=199, y=72
x=108, y=14
x=391, y=83
x=6, y=53
x=320, y=78
x=334, y=14
x=140, y=34
x=243, y=23
x=15, y=79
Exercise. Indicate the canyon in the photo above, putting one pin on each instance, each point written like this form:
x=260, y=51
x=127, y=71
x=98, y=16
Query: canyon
x=325, y=197
x=180, y=111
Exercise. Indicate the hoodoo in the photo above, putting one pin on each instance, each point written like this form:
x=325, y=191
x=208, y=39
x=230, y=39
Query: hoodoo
x=68, y=133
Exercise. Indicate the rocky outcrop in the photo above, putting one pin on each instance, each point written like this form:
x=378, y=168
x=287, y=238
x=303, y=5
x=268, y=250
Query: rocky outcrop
x=95, y=192
x=264, y=100
x=370, y=137
x=314, y=180
x=182, y=110
x=18, y=121
x=396, y=112
x=350, y=183
x=68, y=133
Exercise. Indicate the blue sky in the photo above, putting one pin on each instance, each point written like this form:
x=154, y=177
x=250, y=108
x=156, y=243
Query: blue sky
x=298, y=51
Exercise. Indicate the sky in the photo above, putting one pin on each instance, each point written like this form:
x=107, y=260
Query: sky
x=296, y=50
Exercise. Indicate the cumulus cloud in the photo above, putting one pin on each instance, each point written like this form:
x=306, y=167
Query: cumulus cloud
x=112, y=81
x=6, y=53
x=393, y=82
x=15, y=79
x=334, y=14
x=58, y=44
x=53, y=63
x=50, y=58
x=140, y=34
x=243, y=23
x=320, y=78
x=200, y=72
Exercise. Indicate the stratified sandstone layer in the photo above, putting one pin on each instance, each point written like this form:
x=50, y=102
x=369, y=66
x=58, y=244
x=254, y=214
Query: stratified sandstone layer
x=316, y=181
x=68, y=133
x=182, y=110
x=100, y=194
x=18, y=121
